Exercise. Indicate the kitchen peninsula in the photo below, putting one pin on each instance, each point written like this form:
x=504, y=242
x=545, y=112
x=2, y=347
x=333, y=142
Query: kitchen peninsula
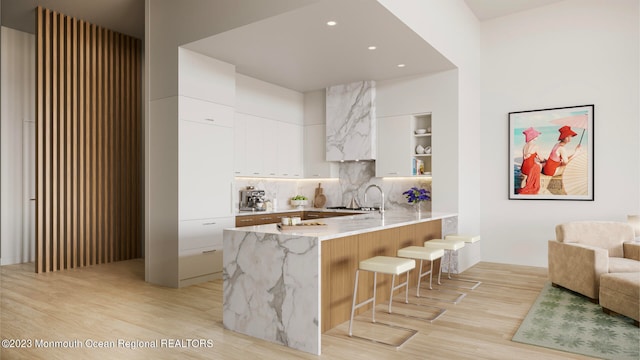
x=289, y=287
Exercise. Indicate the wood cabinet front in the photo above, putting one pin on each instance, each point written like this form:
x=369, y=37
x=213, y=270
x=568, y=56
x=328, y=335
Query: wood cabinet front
x=340, y=258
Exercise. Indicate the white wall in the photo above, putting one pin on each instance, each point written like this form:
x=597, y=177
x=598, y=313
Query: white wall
x=437, y=94
x=452, y=29
x=169, y=24
x=18, y=99
x=573, y=52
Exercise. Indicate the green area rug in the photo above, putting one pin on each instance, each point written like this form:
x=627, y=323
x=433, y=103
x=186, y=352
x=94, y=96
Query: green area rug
x=563, y=320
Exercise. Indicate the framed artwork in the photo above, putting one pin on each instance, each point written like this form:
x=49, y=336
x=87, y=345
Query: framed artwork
x=551, y=154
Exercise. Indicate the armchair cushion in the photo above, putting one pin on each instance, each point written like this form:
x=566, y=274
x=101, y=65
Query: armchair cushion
x=632, y=250
x=623, y=265
x=585, y=250
x=609, y=235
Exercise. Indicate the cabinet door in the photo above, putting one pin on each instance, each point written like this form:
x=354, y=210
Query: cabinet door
x=205, y=112
x=240, y=145
x=394, y=146
x=289, y=150
x=203, y=234
x=206, y=78
x=315, y=164
x=268, y=152
x=205, y=170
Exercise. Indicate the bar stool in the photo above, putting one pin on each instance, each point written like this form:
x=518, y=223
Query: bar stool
x=448, y=246
x=386, y=265
x=422, y=253
x=468, y=239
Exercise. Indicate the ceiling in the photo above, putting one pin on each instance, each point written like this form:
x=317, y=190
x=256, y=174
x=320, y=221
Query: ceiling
x=297, y=49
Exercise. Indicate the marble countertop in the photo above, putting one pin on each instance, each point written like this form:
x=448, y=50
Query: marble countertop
x=246, y=213
x=350, y=224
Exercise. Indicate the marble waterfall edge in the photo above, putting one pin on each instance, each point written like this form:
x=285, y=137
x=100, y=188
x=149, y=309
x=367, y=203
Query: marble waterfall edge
x=271, y=288
x=350, y=121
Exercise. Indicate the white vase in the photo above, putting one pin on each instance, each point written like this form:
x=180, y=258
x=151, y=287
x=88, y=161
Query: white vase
x=419, y=149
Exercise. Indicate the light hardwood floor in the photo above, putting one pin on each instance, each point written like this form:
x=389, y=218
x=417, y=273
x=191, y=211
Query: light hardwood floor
x=110, y=302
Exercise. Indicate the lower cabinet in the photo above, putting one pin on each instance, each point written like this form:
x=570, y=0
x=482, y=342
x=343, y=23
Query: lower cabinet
x=200, y=249
x=274, y=218
x=261, y=219
x=200, y=266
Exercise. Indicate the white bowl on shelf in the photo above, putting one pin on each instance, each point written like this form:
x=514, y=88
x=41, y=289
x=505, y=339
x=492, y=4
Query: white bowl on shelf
x=420, y=131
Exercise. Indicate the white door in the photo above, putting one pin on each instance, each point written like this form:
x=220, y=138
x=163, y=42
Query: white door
x=29, y=191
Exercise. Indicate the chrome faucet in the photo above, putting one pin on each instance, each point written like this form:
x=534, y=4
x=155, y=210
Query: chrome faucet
x=381, y=196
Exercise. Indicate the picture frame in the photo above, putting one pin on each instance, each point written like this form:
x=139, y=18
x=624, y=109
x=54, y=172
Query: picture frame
x=551, y=153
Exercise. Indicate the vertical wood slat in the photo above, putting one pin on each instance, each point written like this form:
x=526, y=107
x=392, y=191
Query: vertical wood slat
x=88, y=108
x=40, y=91
x=69, y=143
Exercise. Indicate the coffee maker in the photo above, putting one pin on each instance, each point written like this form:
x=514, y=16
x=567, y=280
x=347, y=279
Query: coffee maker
x=252, y=200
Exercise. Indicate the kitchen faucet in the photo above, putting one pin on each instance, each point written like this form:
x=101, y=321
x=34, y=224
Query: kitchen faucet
x=381, y=196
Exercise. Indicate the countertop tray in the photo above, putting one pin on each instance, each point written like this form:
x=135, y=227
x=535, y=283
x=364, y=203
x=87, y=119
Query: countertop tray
x=312, y=226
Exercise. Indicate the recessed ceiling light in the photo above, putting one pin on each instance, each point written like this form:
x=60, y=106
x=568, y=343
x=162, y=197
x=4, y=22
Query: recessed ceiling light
x=372, y=48
x=331, y=23
x=401, y=65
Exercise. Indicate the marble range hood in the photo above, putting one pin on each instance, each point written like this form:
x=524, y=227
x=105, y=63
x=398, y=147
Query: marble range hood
x=351, y=121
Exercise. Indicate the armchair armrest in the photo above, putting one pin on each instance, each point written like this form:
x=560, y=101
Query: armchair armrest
x=631, y=250
x=577, y=267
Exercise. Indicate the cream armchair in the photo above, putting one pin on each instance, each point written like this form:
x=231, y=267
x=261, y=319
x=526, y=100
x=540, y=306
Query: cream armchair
x=584, y=250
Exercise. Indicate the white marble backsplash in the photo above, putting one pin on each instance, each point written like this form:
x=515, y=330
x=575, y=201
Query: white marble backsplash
x=351, y=121
x=354, y=179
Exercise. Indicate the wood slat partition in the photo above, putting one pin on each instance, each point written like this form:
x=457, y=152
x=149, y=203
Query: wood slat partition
x=88, y=148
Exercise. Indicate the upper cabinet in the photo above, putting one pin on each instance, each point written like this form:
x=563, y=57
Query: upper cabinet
x=268, y=130
x=205, y=136
x=404, y=146
x=315, y=164
x=315, y=138
x=205, y=78
x=351, y=121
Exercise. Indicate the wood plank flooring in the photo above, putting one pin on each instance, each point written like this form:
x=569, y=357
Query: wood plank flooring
x=101, y=304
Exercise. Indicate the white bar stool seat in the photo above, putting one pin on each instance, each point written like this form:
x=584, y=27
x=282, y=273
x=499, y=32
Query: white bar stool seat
x=387, y=265
x=422, y=253
x=467, y=239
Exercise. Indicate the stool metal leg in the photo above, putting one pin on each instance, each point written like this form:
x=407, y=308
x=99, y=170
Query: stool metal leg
x=354, y=306
x=476, y=283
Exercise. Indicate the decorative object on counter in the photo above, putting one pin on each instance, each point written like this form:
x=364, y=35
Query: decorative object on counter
x=320, y=199
x=268, y=205
x=416, y=196
x=285, y=220
x=308, y=226
x=296, y=220
x=300, y=201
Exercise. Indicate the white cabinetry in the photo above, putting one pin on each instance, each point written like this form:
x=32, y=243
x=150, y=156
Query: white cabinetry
x=315, y=164
x=201, y=249
x=401, y=150
x=240, y=162
x=267, y=148
x=289, y=144
x=205, y=168
x=206, y=78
